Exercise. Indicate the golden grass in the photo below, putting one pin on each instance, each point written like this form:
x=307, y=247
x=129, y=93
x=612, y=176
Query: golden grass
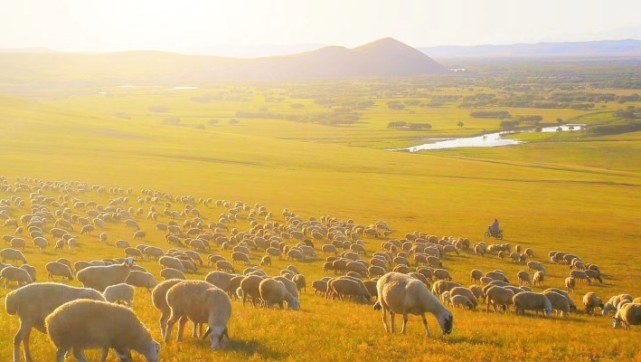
x=571, y=196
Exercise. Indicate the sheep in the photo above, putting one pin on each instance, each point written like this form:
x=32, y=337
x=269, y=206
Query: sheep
x=224, y=265
x=466, y=293
x=301, y=282
x=565, y=294
x=442, y=274
x=441, y=286
x=535, y=265
x=345, y=286
x=530, y=300
x=498, y=297
x=134, y=253
x=477, y=292
x=475, y=276
x=461, y=301
x=266, y=260
x=559, y=302
x=32, y=303
x=170, y=273
x=200, y=302
x=496, y=275
x=614, y=302
x=402, y=294
x=320, y=287
x=171, y=262
x=538, y=278
x=12, y=255
x=159, y=300
x=17, y=243
x=240, y=257
x=189, y=266
x=580, y=274
x=100, y=277
x=570, y=284
x=120, y=293
x=627, y=315
x=523, y=277
x=153, y=252
x=594, y=275
x=274, y=292
x=13, y=274
x=84, y=324
x=250, y=287
x=592, y=301
x=59, y=269
x=141, y=279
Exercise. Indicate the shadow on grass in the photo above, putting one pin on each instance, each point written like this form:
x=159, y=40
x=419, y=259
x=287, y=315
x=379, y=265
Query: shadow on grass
x=252, y=347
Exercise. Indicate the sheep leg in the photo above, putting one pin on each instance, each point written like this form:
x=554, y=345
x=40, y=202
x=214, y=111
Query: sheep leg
x=385, y=320
x=80, y=355
x=60, y=355
x=404, y=328
x=392, y=315
x=427, y=328
x=105, y=353
x=181, y=328
x=170, y=326
x=22, y=337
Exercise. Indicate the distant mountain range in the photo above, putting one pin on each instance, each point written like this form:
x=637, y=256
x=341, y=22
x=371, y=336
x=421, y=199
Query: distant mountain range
x=382, y=58
x=590, y=49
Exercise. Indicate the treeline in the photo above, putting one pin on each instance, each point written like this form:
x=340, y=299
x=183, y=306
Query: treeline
x=409, y=126
x=491, y=114
x=338, y=116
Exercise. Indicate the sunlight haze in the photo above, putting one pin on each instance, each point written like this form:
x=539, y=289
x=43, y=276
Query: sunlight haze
x=207, y=26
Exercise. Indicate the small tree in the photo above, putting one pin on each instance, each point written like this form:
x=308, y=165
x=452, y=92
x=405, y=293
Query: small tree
x=460, y=124
x=559, y=120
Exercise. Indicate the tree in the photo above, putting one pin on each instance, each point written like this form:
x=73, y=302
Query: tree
x=460, y=124
x=559, y=120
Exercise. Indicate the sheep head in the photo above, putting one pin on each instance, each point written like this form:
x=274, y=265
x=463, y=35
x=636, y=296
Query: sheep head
x=446, y=321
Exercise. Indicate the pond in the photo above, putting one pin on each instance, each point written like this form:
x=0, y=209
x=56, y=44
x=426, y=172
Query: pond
x=488, y=140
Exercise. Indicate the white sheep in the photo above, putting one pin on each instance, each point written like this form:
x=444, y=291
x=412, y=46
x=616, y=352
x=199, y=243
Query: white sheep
x=170, y=273
x=32, y=303
x=530, y=300
x=200, y=302
x=13, y=274
x=274, y=292
x=86, y=324
x=58, y=269
x=399, y=293
x=559, y=302
x=120, y=293
x=141, y=279
x=100, y=277
x=592, y=301
x=627, y=315
x=12, y=255
x=498, y=297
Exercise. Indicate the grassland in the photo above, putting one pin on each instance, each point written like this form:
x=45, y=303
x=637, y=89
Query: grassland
x=579, y=195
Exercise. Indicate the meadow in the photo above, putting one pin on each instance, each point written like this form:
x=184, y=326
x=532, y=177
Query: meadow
x=279, y=145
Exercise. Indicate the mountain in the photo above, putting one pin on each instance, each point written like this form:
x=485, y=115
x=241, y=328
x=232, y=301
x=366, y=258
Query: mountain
x=382, y=58
x=591, y=49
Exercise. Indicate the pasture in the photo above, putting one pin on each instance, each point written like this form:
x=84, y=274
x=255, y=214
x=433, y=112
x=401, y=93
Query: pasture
x=574, y=194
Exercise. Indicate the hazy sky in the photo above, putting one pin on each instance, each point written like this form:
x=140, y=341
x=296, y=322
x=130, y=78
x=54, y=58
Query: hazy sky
x=194, y=25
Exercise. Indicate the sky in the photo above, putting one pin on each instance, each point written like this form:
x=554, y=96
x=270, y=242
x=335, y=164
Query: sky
x=204, y=26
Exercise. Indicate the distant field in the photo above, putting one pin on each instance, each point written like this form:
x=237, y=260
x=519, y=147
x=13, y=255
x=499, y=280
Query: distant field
x=574, y=194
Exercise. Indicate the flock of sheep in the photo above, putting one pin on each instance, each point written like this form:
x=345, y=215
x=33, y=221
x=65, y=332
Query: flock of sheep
x=406, y=276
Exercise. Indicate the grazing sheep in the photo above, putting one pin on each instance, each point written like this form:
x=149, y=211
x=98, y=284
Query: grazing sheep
x=348, y=287
x=580, y=274
x=17, y=243
x=565, y=294
x=224, y=265
x=189, y=266
x=461, y=301
x=240, y=257
x=300, y=281
x=250, y=287
x=402, y=294
x=14, y=274
x=524, y=278
x=498, y=297
x=120, y=293
x=171, y=262
x=320, y=287
x=12, y=255
x=274, y=292
x=153, y=252
x=122, y=244
x=570, y=284
x=538, y=278
x=559, y=302
x=58, y=269
x=200, y=302
x=627, y=315
x=614, y=302
x=34, y=302
x=496, y=275
x=134, y=253
x=524, y=301
x=170, y=273
x=535, y=265
x=592, y=301
x=141, y=279
x=85, y=324
x=442, y=274
x=100, y=277
x=475, y=276
x=467, y=293
x=594, y=275
x=441, y=286
x=266, y=260
x=159, y=300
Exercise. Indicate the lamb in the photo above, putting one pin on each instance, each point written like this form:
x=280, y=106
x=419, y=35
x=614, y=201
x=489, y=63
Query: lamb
x=274, y=292
x=402, y=294
x=73, y=327
x=475, y=276
x=461, y=301
x=13, y=274
x=627, y=315
x=100, y=277
x=120, y=293
x=523, y=277
x=570, y=284
x=200, y=302
x=171, y=262
x=498, y=297
x=141, y=279
x=592, y=301
x=530, y=300
x=59, y=269
x=170, y=273
x=466, y=293
x=559, y=302
x=12, y=255
x=538, y=278
x=32, y=303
